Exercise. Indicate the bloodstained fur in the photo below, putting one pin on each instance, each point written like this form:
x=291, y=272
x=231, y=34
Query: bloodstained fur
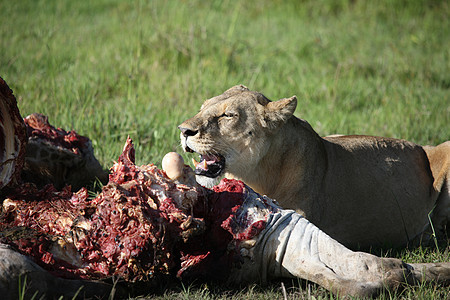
x=140, y=226
x=137, y=226
x=38, y=127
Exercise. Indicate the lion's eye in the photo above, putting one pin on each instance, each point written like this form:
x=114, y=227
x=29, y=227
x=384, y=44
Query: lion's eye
x=228, y=115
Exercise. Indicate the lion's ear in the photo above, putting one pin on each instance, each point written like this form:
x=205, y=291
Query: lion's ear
x=279, y=111
x=239, y=87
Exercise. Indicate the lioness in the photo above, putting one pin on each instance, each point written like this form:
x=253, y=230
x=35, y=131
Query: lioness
x=364, y=191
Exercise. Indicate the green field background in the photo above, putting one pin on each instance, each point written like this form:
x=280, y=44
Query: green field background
x=109, y=69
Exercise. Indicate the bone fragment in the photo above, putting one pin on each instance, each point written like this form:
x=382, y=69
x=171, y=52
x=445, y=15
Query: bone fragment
x=173, y=165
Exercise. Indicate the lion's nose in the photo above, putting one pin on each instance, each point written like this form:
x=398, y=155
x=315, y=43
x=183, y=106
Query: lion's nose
x=187, y=131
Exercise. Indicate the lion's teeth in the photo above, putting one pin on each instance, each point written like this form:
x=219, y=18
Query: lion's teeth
x=200, y=165
x=195, y=162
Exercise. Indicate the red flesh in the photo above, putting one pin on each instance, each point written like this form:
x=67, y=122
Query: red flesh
x=132, y=233
x=137, y=228
x=38, y=127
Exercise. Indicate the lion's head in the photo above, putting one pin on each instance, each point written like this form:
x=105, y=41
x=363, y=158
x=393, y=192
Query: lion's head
x=230, y=131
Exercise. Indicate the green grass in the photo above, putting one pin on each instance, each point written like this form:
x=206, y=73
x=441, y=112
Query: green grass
x=115, y=68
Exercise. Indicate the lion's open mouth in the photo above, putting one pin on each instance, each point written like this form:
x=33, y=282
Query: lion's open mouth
x=210, y=165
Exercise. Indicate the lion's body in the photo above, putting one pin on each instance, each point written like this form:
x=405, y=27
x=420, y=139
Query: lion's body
x=363, y=191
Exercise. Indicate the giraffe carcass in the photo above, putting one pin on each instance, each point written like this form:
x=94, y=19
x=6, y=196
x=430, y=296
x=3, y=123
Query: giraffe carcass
x=146, y=226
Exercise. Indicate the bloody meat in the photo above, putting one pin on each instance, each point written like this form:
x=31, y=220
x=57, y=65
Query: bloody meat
x=38, y=127
x=141, y=225
x=59, y=157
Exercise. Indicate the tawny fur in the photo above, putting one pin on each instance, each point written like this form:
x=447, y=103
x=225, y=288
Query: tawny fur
x=364, y=191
